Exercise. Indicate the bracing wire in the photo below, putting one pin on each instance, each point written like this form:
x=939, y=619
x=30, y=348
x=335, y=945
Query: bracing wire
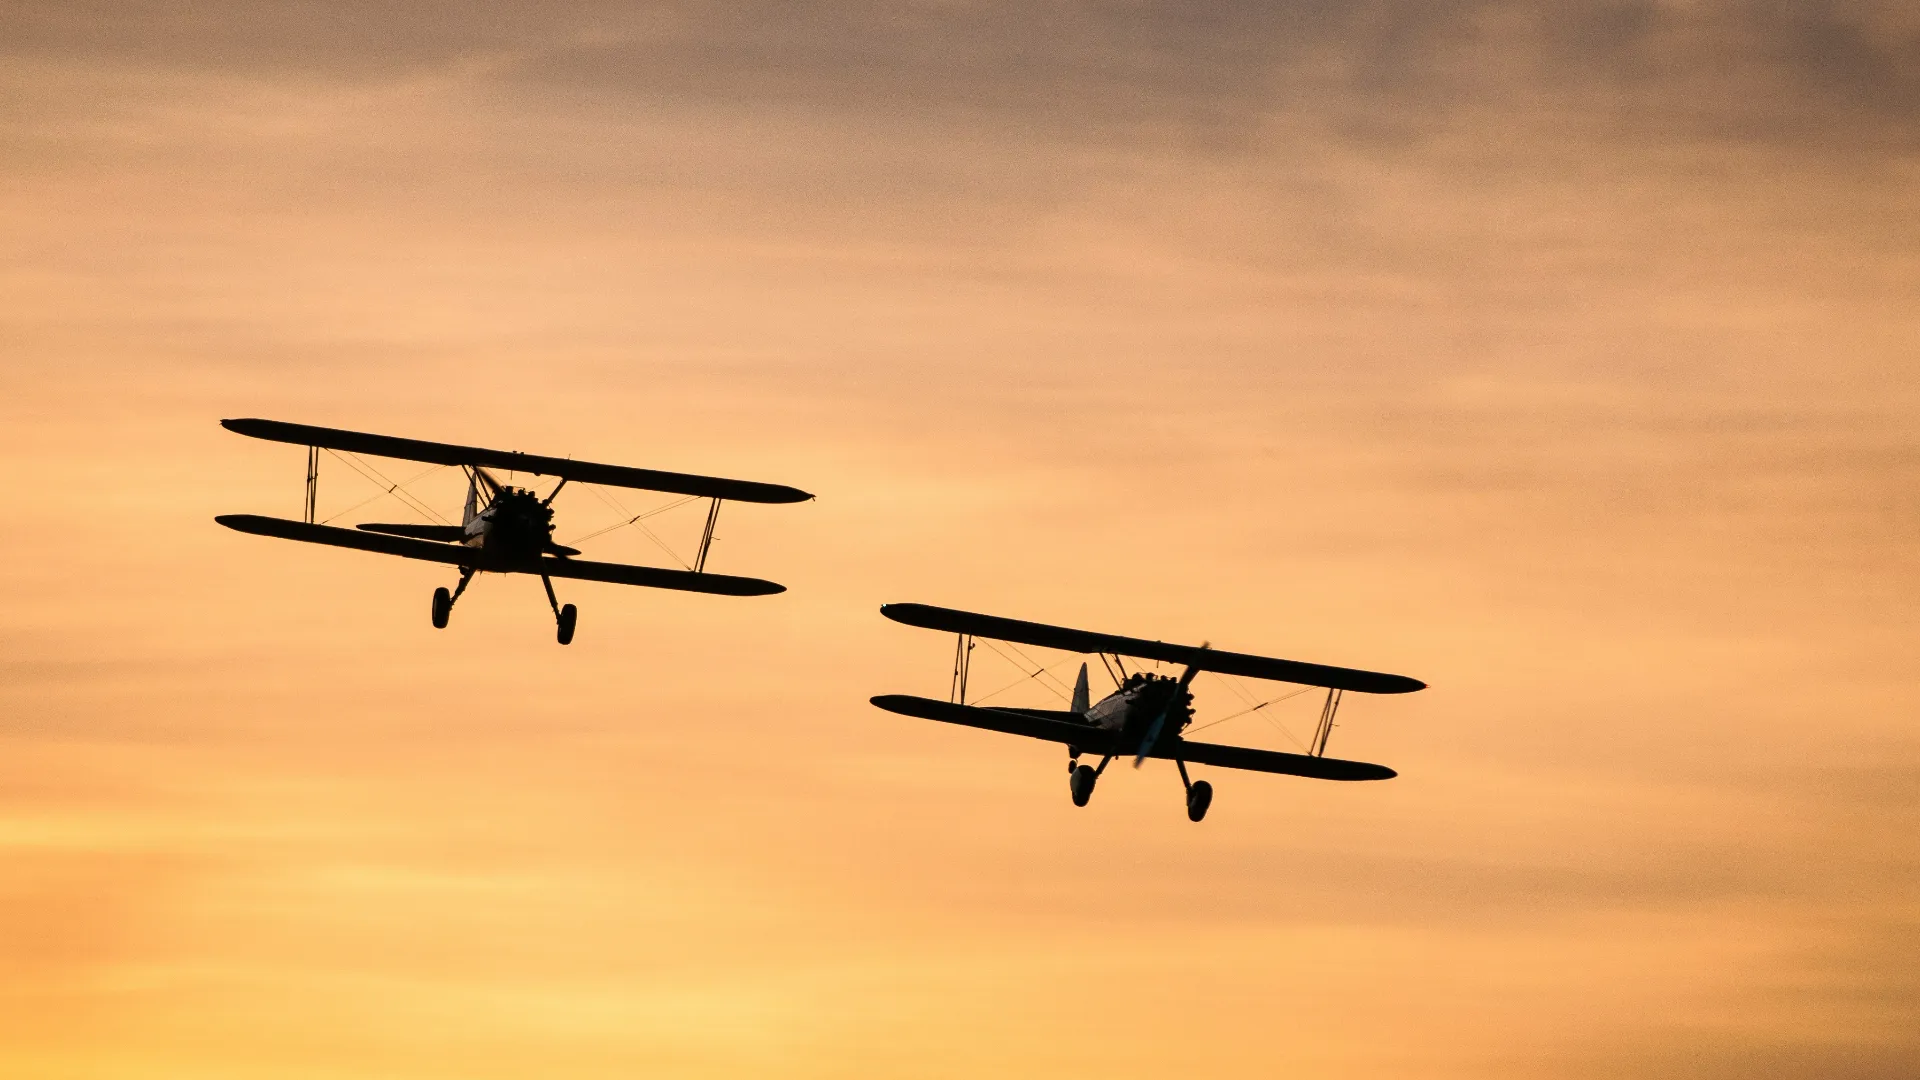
x=1044, y=669
x=635, y=520
x=1023, y=680
x=383, y=494
x=1233, y=685
x=357, y=464
x=1036, y=672
x=1257, y=708
x=662, y=545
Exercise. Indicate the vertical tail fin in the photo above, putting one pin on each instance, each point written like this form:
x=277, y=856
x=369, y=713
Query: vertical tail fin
x=1081, y=697
x=473, y=498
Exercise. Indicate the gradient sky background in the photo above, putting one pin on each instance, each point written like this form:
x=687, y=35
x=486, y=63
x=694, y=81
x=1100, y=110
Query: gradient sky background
x=1561, y=356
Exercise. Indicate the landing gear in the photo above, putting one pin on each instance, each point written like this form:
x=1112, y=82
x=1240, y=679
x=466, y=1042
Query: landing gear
x=1082, y=784
x=1199, y=797
x=443, y=600
x=565, y=617
x=1199, y=793
x=1081, y=779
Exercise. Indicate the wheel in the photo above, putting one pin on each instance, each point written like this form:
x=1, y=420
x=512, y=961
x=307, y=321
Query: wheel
x=568, y=615
x=1199, y=797
x=442, y=607
x=1082, y=784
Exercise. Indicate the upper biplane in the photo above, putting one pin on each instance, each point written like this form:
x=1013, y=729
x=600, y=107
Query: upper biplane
x=1146, y=712
x=504, y=529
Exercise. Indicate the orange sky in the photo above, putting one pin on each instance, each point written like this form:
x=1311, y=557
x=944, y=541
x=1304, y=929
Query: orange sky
x=1565, y=362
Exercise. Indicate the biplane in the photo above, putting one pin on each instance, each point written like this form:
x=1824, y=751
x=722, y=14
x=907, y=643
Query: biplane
x=1146, y=712
x=504, y=529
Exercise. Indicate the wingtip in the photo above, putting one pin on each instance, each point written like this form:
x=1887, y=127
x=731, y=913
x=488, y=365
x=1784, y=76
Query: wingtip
x=246, y=523
x=749, y=587
x=754, y=587
x=1359, y=771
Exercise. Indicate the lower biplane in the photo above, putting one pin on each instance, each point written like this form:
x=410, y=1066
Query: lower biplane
x=1145, y=714
x=504, y=529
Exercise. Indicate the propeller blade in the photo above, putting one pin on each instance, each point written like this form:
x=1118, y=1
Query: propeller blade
x=487, y=481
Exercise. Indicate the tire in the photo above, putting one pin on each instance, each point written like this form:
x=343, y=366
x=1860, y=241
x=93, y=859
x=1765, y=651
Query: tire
x=442, y=607
x=568, y=616
x=1199, y=797
x=1082, y=784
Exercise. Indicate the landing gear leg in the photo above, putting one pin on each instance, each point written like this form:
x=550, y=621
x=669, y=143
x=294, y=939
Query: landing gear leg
x=1199, y=793
x=443, y=600
x=564, y=616
x=1081, y=783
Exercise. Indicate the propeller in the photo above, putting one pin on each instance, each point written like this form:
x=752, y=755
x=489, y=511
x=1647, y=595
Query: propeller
x=487, y=481
x=1160, y=722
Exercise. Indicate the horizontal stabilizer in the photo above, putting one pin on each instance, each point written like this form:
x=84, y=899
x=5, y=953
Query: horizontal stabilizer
x=1086, y=641
x=407, y=547
x=1270, y=761
x=1060, y=727
x=445, y=534
x=586, y=472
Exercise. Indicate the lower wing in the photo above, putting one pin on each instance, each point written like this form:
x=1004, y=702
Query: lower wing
x=1063, y=727
x=652, y=577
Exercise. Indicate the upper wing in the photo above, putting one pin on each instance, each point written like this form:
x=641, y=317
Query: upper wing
x=1033, y=723
x=1228, y=663
x=587, y=472
x=1273, y=761
x=461, y=555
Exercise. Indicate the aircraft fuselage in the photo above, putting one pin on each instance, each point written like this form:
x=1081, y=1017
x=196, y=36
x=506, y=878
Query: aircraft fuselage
x=513, y=526
x=1131, y=710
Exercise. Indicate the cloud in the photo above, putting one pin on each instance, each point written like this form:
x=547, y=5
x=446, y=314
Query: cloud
x=1835, y=74
x=1560, y=355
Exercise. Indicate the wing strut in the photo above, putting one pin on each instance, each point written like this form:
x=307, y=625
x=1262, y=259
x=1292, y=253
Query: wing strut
x=962, y=661
x=706, y=538
x=1327, y=711
x=313, y=481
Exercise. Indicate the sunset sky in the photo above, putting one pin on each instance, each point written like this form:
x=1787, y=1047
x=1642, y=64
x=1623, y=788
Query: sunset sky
x=1566, y=357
